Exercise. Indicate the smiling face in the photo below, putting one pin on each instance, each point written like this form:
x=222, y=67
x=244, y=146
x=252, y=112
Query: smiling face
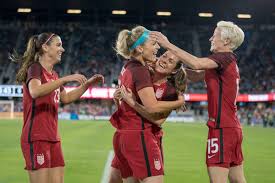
x=54, y=49
x=217, y=43
x=150, y=50
x=166, y=63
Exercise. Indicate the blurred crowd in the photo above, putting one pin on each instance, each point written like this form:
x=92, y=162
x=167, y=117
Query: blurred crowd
x=90, y=49
x=258, y=114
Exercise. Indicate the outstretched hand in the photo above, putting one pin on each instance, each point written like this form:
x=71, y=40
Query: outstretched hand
x=81, y=79
x=95, y=79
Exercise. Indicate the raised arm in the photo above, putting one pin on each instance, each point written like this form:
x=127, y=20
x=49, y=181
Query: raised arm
x=37, y=89
x=127, y=95
x=195, y=75
x=79, y=91
x=148, y=99
x=190, y=60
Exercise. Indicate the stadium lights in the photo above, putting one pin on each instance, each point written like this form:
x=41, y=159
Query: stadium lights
x=244, y=16
x=119, y=12
x=164, y=13
x=73, y=11
x=24, y=10
x=205, y=14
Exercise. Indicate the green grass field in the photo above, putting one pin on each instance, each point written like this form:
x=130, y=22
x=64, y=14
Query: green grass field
x=86, y=146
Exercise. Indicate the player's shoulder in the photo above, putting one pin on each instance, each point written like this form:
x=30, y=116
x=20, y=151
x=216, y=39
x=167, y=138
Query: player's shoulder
x=134, y=63
x=171, y=92
x=224, y=56
x=35, y=69
x=170, y=87
x=169, y=84
x=36, y=66
x=137, y=68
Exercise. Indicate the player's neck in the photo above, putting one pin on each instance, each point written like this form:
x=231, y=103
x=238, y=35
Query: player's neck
x=140, y=59
x=46, y=64
x=225, y=49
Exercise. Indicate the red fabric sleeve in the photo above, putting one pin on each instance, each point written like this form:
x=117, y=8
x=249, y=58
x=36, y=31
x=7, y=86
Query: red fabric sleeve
x=171, y=93
x=222, y=59
x=34, y=72
x=141, y=78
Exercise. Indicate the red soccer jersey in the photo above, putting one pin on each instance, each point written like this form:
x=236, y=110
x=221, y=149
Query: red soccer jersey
x=222, y=90
x=135, y=76
x=40, y=114
x=165, y=92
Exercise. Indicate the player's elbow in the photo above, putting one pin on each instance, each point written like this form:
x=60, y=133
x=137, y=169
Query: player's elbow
x=65, y=100
x=196, y=65
x=34, y=94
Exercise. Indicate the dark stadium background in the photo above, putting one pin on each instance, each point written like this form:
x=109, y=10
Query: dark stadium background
x=89, y=38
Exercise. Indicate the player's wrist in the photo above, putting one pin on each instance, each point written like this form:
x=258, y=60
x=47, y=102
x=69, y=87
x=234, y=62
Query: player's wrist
x=63, y=80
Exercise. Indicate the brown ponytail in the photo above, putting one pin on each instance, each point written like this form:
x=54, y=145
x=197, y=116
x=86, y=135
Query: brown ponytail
x=31, y=55
x=179, y=79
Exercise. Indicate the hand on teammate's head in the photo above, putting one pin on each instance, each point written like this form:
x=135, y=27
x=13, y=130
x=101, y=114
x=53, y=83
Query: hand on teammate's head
x=160, y=38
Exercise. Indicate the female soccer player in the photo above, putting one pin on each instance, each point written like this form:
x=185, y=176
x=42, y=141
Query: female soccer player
x=165, y=90
x=42, y=91
x=224, y=158
x=134, y=144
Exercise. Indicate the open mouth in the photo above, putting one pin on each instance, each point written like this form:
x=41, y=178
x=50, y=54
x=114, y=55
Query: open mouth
x=161, y=65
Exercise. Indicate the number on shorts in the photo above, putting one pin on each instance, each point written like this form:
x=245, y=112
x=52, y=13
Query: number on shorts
x=212, y=145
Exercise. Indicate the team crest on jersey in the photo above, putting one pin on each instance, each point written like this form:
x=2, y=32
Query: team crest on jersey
x=159, y=93
x=40, y=159
x=157, y=164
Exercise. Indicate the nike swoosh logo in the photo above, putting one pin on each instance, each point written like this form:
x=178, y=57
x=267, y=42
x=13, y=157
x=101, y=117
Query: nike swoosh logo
x=209, y=157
